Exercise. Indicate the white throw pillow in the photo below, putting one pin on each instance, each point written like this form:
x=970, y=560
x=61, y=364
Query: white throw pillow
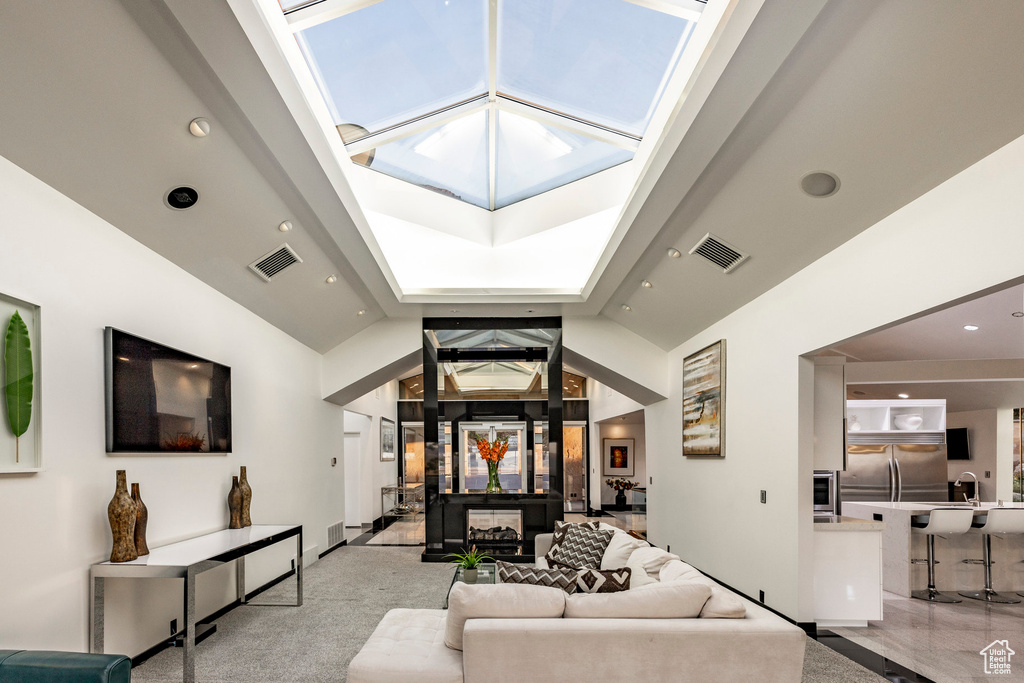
x=652, y=559
x=498, y=601
x=666, y=601
x=619, y=550
x=676, y=569
x=639, y=577
x=723, y=605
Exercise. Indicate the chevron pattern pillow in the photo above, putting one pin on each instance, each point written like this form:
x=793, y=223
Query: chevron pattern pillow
x=582, y=547
x=561, y=527
x=602, y=580
x=524, y=573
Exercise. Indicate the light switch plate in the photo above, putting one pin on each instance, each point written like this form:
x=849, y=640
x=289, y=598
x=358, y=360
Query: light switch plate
x=764, y=497
x=988, y=474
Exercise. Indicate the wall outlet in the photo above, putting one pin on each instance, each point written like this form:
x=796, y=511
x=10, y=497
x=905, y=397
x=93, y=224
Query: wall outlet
x=988, y=474
x=764, y=497
x=174, y=627
x=761, y=596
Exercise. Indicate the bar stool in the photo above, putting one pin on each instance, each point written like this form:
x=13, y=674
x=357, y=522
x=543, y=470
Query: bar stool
x=941, y=521
x=998, y=521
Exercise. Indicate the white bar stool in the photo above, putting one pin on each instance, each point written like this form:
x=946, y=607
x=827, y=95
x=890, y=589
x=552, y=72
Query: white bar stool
x=998, y=521
x=941, y=521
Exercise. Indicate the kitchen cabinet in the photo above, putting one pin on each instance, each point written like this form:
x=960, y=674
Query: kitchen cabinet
x=829, y=412
x=903, y=421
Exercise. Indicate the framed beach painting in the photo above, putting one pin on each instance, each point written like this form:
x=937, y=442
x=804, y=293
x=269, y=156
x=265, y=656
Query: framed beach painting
x=619, y=455
x=387, y=439
x=704, y=402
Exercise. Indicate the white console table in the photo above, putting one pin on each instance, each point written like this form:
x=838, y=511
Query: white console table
x=185, y=560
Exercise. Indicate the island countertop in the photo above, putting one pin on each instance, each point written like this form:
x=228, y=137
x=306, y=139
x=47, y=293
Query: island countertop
x=926, y=507
x=840, y=523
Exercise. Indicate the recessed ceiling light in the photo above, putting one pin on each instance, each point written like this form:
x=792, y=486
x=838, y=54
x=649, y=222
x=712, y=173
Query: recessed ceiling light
x=819, y=184
x=646, y=284
x=199, y=127
x=626, y=307
x=361, y=312
x=903, y=395
x=455, y=310
x=331, y=279
x=970, y=328
x=181, y=198
x=674, y=253
x=1018, y=314
x=529, y=310
x=285, y=226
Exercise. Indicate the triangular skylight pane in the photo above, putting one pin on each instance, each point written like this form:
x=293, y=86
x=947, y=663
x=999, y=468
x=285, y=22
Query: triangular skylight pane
x=604, y=61
x=533, y=157
x=450, y=159
x=399, y=59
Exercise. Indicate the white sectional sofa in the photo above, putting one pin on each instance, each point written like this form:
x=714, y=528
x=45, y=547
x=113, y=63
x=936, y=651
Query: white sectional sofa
x=530, y=635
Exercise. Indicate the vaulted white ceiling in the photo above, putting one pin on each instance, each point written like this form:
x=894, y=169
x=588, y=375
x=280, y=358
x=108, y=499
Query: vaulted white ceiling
x=892, y=97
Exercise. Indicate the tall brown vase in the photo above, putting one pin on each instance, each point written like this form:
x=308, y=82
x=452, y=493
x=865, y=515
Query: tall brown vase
x=121, y=513
x=243, y=484
x=141, y=520
x=235, y=504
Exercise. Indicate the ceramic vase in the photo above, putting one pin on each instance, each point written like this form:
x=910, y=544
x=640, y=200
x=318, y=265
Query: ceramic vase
x=121, y=513
x=493, y=483
x=469, y=575
x=243, y=484
x=620, y=500
x=141, y=520
x=235, y=504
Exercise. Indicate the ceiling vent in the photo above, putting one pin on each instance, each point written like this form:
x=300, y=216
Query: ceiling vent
x=269, y=265
x=719, y=252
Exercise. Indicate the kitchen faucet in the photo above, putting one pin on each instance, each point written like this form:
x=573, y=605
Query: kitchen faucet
x=976, y=502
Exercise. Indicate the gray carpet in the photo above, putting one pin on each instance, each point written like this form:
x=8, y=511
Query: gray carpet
x=346, y=594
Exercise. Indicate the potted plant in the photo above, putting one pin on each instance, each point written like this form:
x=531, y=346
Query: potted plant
x=620, y=486
x=470, y=561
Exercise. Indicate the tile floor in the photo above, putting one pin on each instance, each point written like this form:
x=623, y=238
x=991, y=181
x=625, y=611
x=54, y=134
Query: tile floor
x=943, y=641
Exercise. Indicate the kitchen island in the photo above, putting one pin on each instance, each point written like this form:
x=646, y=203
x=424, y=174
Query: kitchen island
x=899, y=547
x=847, y=571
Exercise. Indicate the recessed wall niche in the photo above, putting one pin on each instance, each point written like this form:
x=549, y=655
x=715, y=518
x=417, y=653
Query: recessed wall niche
x=24, y=454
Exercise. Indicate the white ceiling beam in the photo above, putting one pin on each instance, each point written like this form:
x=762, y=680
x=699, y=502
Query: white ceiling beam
x=568, y=123
x=422, y=123
x=684, y=9
x=492, y=94
x=313, y=15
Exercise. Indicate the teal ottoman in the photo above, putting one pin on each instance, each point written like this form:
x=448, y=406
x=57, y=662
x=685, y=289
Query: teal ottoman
x=41, y=666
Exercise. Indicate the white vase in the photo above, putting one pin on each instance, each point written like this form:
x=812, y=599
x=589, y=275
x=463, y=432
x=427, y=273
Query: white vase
x=469, y=575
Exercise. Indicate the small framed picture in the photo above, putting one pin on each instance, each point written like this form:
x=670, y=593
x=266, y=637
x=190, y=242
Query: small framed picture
x=387, y=439
x=618, y=457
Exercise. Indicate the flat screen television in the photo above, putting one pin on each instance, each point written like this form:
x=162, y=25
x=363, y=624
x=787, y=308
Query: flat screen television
x=160, y=400
x=958, y=447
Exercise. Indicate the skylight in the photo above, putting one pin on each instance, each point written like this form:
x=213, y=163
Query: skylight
x=490, y=102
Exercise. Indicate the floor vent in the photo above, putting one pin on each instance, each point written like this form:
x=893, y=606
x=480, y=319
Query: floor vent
x=719, y=252
x=269, y=265
x=335, y=534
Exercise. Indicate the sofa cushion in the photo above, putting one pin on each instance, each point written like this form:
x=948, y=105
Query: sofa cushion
x=408, y=644
x=638, y=576
x=46, y=666
x=581, y=547
x=675, y=570
x=667, y=601
x=503, y=600
x=619, y=549
x=652, y=559
x=602, y=580
x=560, y=577
x=723, y=605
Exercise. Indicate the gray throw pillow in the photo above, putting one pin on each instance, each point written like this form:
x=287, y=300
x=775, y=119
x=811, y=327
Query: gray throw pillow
x=524, y=573
x=600, y=580
x=581, y=548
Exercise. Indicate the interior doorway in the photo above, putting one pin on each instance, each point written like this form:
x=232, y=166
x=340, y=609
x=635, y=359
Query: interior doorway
x=574, y=466
x=353, y=479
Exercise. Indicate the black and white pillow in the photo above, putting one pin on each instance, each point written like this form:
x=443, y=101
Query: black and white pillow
x=558, y=577
x=561, y=527
x=603, y=580
x=582, y=546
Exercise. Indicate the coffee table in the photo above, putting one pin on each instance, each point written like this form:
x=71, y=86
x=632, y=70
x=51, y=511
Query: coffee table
x=486, y=573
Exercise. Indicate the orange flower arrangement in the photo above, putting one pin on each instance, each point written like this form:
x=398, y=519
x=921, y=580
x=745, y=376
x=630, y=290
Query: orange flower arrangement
x=491, y=451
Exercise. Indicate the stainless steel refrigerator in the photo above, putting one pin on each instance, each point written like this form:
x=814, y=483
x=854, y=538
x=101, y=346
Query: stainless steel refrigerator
x=894, y=473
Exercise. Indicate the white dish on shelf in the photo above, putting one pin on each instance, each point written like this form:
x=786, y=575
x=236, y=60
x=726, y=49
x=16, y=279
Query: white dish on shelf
x=908, y=421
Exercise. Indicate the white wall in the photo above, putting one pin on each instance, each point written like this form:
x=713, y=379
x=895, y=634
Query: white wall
x=709, y=509
x=86, y=274
x=363, y=415
x=991, y=436
x=637, y=432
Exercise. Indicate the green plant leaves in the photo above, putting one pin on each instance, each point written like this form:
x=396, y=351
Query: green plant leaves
x=18, y=375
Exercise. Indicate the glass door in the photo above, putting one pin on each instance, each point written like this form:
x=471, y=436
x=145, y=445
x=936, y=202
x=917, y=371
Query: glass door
x=512, y=469
x=412, y=453
x=574, y=466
